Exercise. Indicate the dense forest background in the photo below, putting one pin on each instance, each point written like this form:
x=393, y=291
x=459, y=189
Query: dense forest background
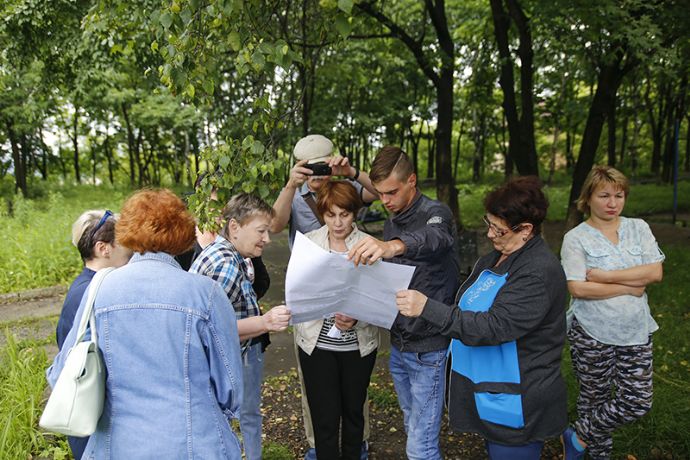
x=146, y=92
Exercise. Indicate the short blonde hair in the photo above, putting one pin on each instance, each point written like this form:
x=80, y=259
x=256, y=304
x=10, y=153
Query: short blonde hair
x=600, y=175
x=85, y=235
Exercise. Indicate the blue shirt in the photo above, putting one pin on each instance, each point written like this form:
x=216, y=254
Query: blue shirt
x=171, y=350
x=71, y=304
x=622, y=320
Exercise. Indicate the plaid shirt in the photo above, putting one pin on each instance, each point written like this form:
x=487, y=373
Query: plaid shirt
x=221, y=261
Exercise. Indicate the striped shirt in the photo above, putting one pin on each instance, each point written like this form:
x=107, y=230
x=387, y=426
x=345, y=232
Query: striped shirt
x=346, y=342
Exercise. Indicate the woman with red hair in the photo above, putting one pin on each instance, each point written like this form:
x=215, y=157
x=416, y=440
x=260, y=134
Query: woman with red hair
x=337, y=354
x=169, y=343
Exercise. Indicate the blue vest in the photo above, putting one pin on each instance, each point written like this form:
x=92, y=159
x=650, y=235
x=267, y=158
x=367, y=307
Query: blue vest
x=492, y=363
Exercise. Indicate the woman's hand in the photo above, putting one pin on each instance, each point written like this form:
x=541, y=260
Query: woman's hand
x=597, y=275
x=410, y=302
x=344, y=322
x=276, y=319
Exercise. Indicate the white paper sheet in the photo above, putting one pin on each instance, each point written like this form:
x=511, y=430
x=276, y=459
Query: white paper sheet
x=319, y=284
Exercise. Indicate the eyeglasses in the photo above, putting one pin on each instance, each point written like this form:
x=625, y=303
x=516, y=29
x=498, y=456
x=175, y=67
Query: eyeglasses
x=108, y=213
x=497, y=231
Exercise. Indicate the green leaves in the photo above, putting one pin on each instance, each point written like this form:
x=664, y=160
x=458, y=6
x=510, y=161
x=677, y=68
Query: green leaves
x=345, y=6
x=236, y=166
x=342, y=24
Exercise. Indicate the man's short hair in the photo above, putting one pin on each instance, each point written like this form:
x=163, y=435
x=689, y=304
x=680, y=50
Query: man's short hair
x=391, y=159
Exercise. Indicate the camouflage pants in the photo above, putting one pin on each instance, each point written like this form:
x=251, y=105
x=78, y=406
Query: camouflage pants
x=615, y=387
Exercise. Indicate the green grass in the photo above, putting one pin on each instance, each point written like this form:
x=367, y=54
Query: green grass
x=22, y=383
x=37, y=250
x=274, y=451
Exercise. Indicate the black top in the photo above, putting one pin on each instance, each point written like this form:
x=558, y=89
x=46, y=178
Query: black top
x=530, y=310
x=428, y=230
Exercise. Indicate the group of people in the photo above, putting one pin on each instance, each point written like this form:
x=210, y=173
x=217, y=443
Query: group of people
x=184, y=349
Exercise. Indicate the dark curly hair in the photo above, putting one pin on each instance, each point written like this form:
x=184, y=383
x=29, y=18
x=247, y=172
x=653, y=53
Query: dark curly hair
x=520, y=200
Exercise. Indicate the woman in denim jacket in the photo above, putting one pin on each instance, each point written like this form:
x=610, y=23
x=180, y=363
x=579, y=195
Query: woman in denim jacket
x=169, y=343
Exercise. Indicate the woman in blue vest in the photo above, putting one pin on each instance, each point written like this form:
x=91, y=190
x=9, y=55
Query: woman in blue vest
x=508, y=329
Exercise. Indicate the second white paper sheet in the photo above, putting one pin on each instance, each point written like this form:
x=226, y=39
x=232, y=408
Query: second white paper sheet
x=319, y=284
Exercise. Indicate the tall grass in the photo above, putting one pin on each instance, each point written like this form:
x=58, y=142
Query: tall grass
x=37, y=250
x=22, y=384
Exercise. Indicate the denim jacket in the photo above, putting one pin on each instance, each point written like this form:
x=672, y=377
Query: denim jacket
x=171, y=350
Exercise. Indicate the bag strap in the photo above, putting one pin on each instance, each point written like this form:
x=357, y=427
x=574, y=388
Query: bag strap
x=88, y=317
x=309, y=199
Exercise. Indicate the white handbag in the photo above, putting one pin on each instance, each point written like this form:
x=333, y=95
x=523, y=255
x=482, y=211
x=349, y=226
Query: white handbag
x=76, y=402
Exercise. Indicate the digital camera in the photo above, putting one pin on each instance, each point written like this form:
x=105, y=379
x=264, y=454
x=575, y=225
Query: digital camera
x=320, y=169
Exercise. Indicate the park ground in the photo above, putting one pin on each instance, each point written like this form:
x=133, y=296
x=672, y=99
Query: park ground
x=33, y=314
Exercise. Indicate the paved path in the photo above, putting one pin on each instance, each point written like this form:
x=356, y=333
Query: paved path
x=30, y=311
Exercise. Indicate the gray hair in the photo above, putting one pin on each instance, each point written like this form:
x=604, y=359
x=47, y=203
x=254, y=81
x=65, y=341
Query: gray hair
x=243, y=206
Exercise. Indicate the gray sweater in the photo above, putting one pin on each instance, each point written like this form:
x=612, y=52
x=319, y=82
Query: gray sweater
x=529, y=309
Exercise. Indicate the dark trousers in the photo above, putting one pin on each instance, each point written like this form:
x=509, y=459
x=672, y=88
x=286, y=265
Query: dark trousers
x=336, y=384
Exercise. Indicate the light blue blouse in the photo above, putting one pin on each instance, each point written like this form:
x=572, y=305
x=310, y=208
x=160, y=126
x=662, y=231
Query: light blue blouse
x=622, y=320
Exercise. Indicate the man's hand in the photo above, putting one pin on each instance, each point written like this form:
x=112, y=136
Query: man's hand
x=344, y=322
x=410, y=302
x=340, y=166
x=299, y=174
x=276, y=319
x=368, y=250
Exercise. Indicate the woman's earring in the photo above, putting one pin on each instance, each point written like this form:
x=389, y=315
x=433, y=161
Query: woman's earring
x=524, y=238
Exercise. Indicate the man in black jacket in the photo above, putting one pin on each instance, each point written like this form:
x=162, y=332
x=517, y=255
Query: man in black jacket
x=420, y=232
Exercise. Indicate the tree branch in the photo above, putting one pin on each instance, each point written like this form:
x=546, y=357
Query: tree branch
x=397, y=31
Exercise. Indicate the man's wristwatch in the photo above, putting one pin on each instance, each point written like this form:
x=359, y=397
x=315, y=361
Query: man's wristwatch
x=356, y=173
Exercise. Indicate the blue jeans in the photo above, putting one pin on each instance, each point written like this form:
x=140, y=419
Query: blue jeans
x=531, y=451
x=250, y=410
x=419, y=380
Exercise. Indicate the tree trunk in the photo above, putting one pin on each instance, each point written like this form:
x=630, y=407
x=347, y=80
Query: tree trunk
x=458, y=149
x=430, y=153
x=109, y=156
x=521, y=146
x=657, y=123
x=19, y=166
x=687, y=146
x=131, y=146
x=676, y=114
x=611, y=124
x=443, y=83
x=608, y=81
x=43, y=167
x=75, y=144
